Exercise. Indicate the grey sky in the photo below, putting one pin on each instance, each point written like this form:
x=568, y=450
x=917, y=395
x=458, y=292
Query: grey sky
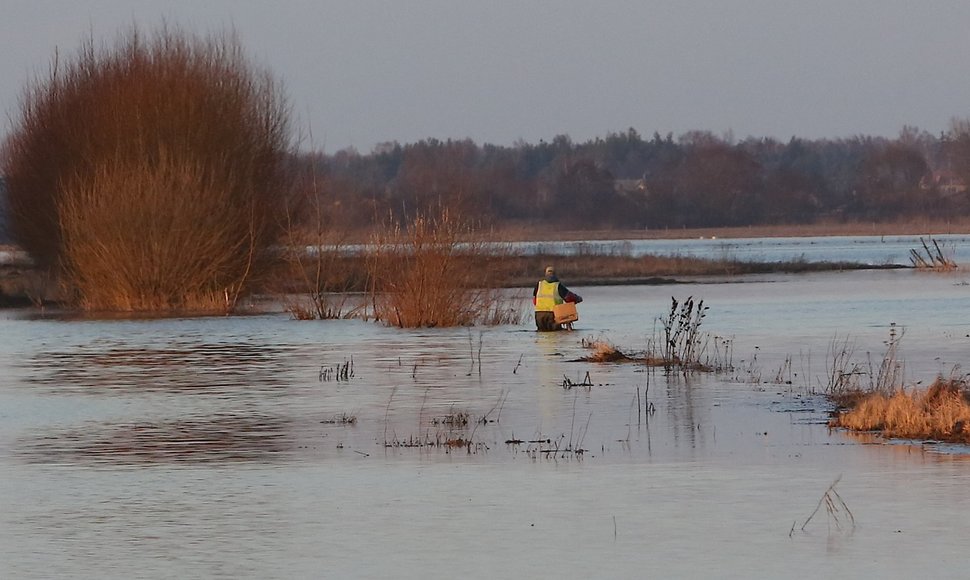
x=361, y=72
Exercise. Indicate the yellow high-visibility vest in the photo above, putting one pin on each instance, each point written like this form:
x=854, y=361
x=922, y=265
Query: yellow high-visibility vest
x=547, y=296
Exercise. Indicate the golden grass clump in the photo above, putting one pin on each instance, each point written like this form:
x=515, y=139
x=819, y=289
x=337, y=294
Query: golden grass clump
x=431, y=272
x=941, y=412
x=148, y=175
x=603, y=351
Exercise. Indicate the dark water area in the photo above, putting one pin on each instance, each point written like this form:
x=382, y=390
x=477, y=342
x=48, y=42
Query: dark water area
x=265, y=447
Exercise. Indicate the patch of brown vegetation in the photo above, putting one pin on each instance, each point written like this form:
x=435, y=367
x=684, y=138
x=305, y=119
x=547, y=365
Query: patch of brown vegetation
x=941, y=412
x=603, y=352
x=428, y=274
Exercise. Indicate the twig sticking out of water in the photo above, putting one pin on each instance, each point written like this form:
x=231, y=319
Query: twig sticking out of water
x=498, y=405
x=835, y=507
x=639, y=409
x=454, y=418
x=568, y=384
x=341, y=419
x=387, y=411
x=340, y=372
x=471, y=352
x=934, y=259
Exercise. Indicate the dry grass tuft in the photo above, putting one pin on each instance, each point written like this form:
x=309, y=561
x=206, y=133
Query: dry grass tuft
x=603, y=351
x=941, y=412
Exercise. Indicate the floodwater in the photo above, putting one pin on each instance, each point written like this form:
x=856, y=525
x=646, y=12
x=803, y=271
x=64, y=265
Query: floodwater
x=251, y=447
x=871, y=250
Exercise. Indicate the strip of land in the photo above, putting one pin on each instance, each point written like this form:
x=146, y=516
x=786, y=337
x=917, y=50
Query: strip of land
x=21, y=285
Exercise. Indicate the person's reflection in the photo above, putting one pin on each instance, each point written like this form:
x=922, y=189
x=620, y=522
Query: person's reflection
x=549, y=384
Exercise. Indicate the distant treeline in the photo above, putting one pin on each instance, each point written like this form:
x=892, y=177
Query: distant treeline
x=627, y=181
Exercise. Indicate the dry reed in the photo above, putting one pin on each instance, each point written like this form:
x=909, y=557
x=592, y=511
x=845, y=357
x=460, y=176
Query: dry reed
x=940, y=412
x=680, y=344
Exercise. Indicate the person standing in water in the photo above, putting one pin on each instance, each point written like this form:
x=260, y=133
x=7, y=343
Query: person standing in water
x=547, y=294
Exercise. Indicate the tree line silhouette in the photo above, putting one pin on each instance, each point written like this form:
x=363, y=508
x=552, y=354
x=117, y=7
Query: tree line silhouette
x=624, y=180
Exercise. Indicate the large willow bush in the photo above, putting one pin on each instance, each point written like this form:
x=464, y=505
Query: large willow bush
x=145, y=174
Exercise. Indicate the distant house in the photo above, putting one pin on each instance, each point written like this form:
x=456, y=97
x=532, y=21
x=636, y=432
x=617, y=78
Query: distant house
x=630, y=186
x=944, y=181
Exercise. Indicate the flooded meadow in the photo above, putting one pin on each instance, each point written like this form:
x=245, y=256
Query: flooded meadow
x=260, y=446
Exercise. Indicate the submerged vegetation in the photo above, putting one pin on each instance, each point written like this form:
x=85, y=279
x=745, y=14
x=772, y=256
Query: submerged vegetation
x=873, y=397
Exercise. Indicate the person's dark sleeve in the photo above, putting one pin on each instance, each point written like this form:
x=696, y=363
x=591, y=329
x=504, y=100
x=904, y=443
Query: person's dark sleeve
x=563, y=291
x=567, y=295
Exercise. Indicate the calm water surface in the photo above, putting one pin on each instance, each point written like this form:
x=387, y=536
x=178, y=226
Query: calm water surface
x=872, y=250
x=223, y=447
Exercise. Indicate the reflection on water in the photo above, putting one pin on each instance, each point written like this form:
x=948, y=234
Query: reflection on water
x=177, y=366
x=216, y=447
x=219, y=438
x=686, y=418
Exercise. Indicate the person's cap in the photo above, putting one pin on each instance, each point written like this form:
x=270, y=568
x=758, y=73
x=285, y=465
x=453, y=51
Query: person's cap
x=550, y=270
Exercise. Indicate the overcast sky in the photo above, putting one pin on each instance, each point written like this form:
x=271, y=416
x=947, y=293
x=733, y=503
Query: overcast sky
x=362, y=72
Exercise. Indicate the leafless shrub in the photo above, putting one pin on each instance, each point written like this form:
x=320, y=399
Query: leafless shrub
x=432, y=272
x=888, y=377
x=321, y=269
x=848, y=379
x=148, y=174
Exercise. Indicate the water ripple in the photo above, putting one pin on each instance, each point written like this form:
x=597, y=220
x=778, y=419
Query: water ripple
x=177, y=367
x=225, y=437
